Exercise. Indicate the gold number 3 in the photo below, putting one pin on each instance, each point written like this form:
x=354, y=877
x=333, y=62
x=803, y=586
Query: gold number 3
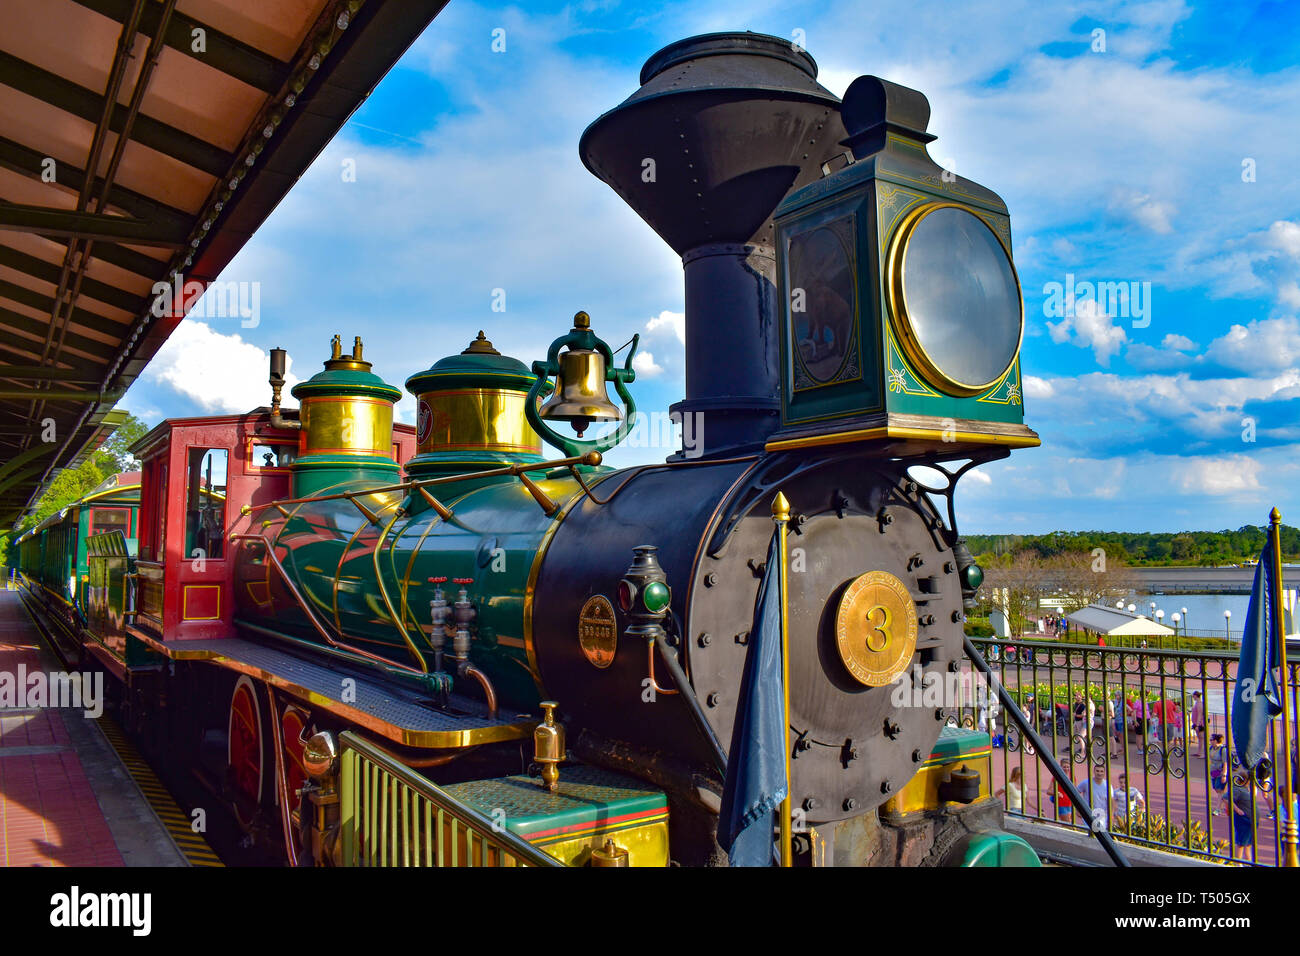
x=882, y=628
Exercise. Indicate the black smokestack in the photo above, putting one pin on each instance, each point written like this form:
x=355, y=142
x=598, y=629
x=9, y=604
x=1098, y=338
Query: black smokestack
x=723, y=127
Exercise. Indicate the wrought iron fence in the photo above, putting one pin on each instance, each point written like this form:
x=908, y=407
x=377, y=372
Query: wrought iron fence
x=392, y=816
x=1135, y=728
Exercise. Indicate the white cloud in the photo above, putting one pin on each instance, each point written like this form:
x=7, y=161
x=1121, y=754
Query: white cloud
x=1036, y=387
x=1263, y=345
x=1150, y=213
x=1286, y=236
x=1228, y=475
x=1178, y=342
x=673, y=321
x=1093, y=328
x=1102, y=409
x=1143, y=356
x=221, y=373
x=645, y=365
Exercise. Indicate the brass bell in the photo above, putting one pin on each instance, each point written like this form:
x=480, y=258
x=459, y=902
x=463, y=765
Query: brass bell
x=579, y=397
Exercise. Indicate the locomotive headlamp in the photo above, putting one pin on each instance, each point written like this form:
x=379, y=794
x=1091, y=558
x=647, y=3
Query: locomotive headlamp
x=579, y=398
x=955, y=298
x=972, y=577
x=643, y=593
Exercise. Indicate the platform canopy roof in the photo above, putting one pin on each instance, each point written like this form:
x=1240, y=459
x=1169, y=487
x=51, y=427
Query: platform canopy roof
x=139, y=138
x=1109, y=621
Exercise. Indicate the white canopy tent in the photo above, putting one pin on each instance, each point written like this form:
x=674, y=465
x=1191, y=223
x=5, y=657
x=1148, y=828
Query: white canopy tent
x=1114, y=622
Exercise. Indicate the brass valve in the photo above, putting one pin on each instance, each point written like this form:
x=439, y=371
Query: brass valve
x=611, y=854
x=548, y=746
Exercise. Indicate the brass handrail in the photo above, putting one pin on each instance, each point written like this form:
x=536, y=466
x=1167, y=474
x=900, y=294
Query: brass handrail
x=591, y=458
x=373, y=833
x=311, y=615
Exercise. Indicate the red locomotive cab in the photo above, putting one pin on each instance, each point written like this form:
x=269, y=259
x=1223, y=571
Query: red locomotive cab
x=404, y=444
x=198, y=473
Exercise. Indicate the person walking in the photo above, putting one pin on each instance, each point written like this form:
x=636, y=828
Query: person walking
x=1245, y=817
x=1218, y=766
x=1014, y=791
x=1127, y=799
x=1100, y=797
x=1085, y=712
x=1116, y=709
x=1197, y=735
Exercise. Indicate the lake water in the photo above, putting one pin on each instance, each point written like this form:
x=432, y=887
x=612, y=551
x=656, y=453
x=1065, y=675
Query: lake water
x=1204, y=611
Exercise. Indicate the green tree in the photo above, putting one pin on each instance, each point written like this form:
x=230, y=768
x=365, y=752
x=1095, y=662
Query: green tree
x=71, y=483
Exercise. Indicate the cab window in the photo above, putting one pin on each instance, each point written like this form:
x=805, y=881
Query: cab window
x=271, y=454
x=110, y=519
x=205, y=503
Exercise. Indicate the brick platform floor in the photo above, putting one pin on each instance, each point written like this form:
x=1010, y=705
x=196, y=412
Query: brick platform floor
x=48, y=813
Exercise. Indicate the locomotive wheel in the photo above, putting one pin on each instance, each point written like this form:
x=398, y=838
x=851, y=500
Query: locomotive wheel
x=249, y=772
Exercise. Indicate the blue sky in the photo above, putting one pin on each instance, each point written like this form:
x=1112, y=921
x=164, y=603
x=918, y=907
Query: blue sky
x=1169, y=157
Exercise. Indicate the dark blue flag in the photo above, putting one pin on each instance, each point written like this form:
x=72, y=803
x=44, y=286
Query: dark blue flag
x=1256, y=700
x=756, y=782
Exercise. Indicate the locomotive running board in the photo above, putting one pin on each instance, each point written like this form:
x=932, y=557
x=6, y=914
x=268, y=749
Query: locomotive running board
x=391, y=712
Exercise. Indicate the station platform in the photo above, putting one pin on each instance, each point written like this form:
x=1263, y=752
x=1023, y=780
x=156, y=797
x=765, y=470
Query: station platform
x=66, y=799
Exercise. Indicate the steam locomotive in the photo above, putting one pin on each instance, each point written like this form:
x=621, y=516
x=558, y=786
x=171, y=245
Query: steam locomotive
x=852, y=312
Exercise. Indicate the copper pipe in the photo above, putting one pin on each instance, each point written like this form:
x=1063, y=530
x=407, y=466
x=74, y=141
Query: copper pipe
x=469, y=670
x=654, y=684
x=277, y=421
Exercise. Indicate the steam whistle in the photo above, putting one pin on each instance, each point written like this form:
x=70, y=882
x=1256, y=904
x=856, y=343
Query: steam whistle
x=548, y=746
x=276, y=380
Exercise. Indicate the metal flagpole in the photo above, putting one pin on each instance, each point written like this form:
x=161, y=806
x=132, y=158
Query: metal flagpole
x=781, y=515
x=1286, y=817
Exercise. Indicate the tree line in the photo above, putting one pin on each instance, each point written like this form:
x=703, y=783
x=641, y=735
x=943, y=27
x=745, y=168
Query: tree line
x=1144, y=548
x=70, y=484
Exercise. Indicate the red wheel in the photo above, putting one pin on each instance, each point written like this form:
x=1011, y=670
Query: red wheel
x=245, y=750
x=293, y=731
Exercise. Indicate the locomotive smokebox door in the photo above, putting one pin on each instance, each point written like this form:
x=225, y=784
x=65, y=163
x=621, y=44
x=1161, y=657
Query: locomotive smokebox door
x=901, y=312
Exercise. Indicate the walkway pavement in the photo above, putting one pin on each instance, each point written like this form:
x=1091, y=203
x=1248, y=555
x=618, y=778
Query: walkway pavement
x=65, y=799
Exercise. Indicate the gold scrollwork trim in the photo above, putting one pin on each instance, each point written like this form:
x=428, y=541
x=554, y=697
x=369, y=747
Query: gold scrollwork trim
x=903, y=433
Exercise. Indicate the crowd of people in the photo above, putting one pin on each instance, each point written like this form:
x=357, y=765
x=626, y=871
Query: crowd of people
x=1164, y=719
x=1107, y=803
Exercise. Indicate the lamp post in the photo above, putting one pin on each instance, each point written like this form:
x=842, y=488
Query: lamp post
x=1227, y=618
x=1174, y=618
x=1184, y=610
x=1132, y=608
x=1160, y=619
